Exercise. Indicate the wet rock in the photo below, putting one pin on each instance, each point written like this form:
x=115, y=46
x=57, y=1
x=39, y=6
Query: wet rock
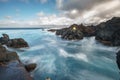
x=87, y=31
x=6, y=56
x=52, y=30
x=76, y=32
x=17, y=43
x=61, y=31
x=118, y=59
x=14, y=43
x=30, y=67
x=14, y=70
x=4, y=39
x=71, y=33
x=109, y=31
x=11, y=68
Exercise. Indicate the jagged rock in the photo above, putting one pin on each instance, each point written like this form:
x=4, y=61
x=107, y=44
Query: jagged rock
x=76, y=32
x=30, y=67
x=14, y=43
x=118, y=59
x=14, y=70
x=109, y=31
x=2, y=49
x=71, y=33
x=87, y=31
x=52, y=30
x=61, y=31
x=17, y=43
x=11, y=68
x=6, y=56
x=4, y=39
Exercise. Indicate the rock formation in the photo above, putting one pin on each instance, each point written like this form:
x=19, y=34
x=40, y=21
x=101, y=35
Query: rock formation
x=118, y=59
x=14, y=43
x=76, y=32
x=11, y=68
x=109, y=32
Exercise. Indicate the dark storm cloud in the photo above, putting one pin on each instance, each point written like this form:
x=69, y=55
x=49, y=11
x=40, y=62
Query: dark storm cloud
x=81, y=5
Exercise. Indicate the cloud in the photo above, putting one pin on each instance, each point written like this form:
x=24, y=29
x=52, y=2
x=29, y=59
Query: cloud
x=59, y=3
x=90, y=11
x=8, y=17
x=80, y=5
x=40, y=14
x=70, y=12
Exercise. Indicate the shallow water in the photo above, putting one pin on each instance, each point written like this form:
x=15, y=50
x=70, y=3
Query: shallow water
x=66, y=60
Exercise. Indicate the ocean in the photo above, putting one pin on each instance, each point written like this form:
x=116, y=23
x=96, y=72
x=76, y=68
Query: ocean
x=60, y=59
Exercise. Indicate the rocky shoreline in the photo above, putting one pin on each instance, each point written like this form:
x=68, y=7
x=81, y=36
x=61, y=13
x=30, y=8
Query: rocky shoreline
x=13, y=43
x=107, y=33
x=11, y=67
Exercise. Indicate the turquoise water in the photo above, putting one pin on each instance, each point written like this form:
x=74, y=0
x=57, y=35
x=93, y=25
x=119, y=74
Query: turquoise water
x=66, y=60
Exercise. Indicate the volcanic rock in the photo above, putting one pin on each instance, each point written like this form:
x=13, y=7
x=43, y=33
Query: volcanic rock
x=11, y=68
x=118, y=59
x=109, y=31
x=14, y=43
x=71, y=33
x=17, y=43
x=30, y=67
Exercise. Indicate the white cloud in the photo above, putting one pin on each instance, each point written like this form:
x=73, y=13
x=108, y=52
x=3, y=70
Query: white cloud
x=59, y=3
x=40, y=14
x=8, y=17
x=73, y=11
x=91, y=11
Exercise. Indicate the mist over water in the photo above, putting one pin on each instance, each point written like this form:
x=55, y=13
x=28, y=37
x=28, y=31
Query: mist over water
x=66, y=60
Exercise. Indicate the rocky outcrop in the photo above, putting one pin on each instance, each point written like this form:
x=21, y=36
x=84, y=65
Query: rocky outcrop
x=76, y=32
x=118, y=59
x=71, y=33
x=11, y=68
x=14, y=43
x=52, y=30
x=30, y=67
x=109, y=32
x=4, y=39
x=17, y=43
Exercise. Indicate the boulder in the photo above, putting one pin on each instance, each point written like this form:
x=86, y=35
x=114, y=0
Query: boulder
x=71, y=33
x=6, y=56
x=76, y=32
x=4, y=39
x=109, y=31
x=14, y=70
x=17, y=43
x=11, y=68
x=30, y=67
x=14, y=43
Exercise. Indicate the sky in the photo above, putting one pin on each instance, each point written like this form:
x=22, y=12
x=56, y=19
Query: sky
x=32, y=13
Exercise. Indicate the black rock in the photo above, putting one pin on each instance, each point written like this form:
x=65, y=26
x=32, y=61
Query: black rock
x=17, y=43
x=14, y=43
x=30, y=67
x=118, y=59
x=109, y=32
x=71, y=33
x=4, y=39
